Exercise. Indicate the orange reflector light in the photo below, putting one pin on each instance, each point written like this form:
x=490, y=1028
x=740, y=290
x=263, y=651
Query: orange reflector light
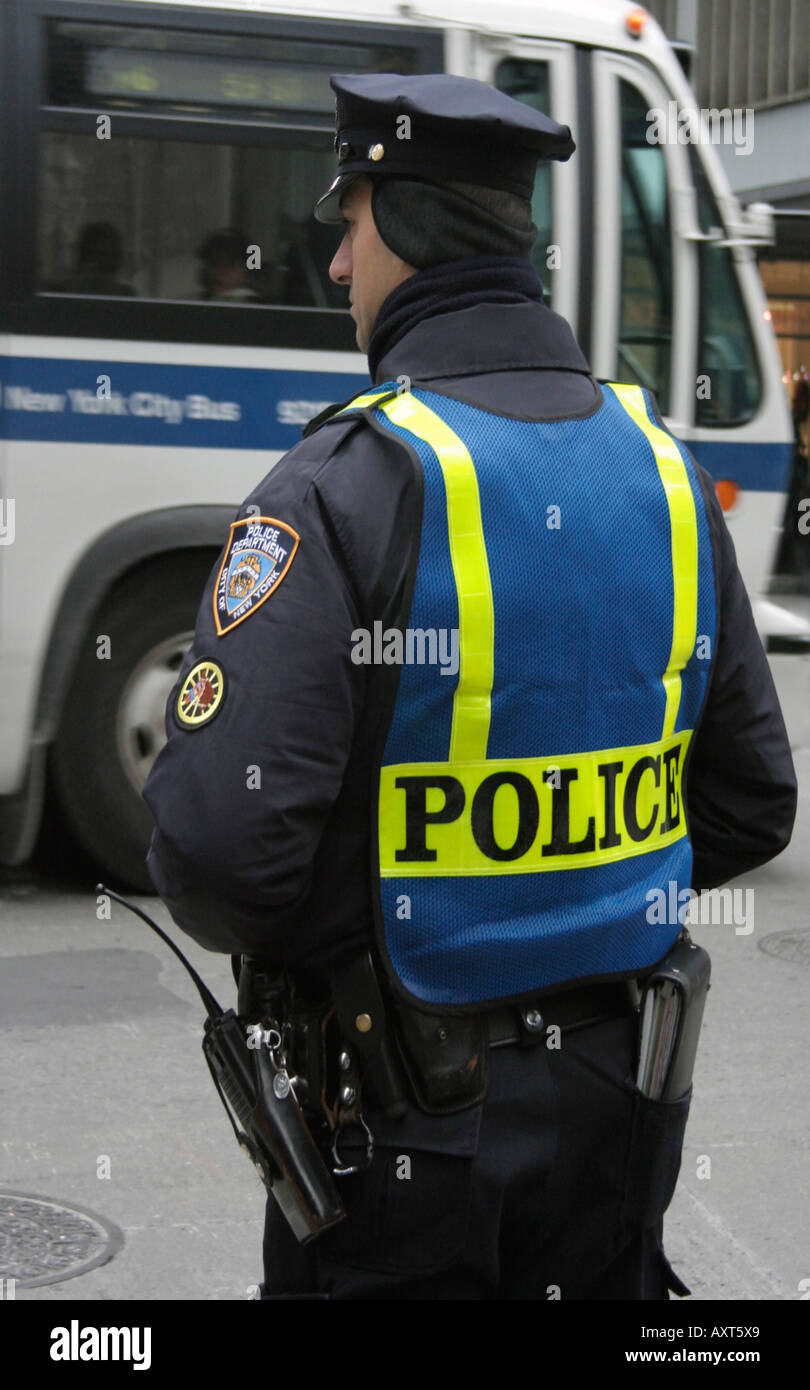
x=635, y=21
x=727, y=493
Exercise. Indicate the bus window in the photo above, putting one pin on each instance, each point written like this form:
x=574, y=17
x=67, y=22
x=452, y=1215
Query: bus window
x=202, y=183
x=726, y=352
x=168, y=219
x=529, y=81
x=645, y=322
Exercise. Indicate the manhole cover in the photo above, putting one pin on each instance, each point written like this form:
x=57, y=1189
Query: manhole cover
x=43, y=1242
x=788, y=945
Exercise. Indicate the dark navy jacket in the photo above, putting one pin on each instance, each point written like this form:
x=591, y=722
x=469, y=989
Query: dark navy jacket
x=283, y=869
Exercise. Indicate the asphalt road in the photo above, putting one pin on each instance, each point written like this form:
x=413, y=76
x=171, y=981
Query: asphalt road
x=108, y=1105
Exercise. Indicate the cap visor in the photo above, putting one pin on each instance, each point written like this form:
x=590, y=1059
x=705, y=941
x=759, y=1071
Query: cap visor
x=327, y=208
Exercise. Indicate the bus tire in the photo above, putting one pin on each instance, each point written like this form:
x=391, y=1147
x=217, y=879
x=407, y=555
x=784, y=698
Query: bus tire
x=112, y=723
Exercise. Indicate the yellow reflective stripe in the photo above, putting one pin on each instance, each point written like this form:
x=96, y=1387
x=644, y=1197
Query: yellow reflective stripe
x=683, y=531
x=468, y=556
x=362, y=402
x=531, y=815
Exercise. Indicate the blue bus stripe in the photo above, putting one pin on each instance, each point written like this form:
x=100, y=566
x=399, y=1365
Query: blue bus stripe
x=62, y=400
x=57, y=400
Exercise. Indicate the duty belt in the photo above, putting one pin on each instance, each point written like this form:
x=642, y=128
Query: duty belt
x=526, y=1024
x=444, y=1056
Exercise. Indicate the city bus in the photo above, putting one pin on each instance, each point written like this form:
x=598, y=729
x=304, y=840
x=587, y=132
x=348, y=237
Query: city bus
x=168, y=325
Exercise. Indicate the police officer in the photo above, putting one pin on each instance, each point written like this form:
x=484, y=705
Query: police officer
x=475, y=680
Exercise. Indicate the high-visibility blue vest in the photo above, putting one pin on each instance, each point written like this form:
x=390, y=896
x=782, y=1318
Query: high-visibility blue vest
x=531, y=803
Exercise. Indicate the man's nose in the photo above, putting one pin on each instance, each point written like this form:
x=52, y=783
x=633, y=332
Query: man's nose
x=341, y=268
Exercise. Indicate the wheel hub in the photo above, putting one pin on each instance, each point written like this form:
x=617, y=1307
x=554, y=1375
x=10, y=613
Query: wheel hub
x=140, y=731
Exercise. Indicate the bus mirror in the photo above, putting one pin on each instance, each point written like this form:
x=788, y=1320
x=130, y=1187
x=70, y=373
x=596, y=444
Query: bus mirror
x=753, y=225
x=760, y=224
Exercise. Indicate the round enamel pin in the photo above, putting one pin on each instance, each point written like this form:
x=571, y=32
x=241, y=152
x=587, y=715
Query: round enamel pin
x=200, y=695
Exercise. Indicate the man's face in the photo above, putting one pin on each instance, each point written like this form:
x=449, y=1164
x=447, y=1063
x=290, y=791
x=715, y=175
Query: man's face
x=364, y=262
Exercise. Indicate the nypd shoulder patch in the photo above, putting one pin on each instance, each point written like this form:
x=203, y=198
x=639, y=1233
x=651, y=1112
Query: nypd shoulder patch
x=259, y=554
x=201, y=695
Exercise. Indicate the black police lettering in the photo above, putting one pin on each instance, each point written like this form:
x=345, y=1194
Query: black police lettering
x=634, y=830
x=418, y=817
x=572, y=792
x=672, y=801
x=561, y=842
x=610, y=771
x=482, y=815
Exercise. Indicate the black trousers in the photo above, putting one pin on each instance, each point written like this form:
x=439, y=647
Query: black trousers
x=554, y=1188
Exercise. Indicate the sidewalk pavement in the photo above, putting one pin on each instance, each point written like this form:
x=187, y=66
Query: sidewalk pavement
x=101, y=1037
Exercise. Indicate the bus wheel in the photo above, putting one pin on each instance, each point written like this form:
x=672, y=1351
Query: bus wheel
x=112, y=727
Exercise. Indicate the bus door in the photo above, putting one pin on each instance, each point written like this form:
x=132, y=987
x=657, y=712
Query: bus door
x=679, y=308
x=657, y=283
x=543, y=74
x=645, y=274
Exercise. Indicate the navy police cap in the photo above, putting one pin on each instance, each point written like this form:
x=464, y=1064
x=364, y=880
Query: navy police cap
x=437, y=127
